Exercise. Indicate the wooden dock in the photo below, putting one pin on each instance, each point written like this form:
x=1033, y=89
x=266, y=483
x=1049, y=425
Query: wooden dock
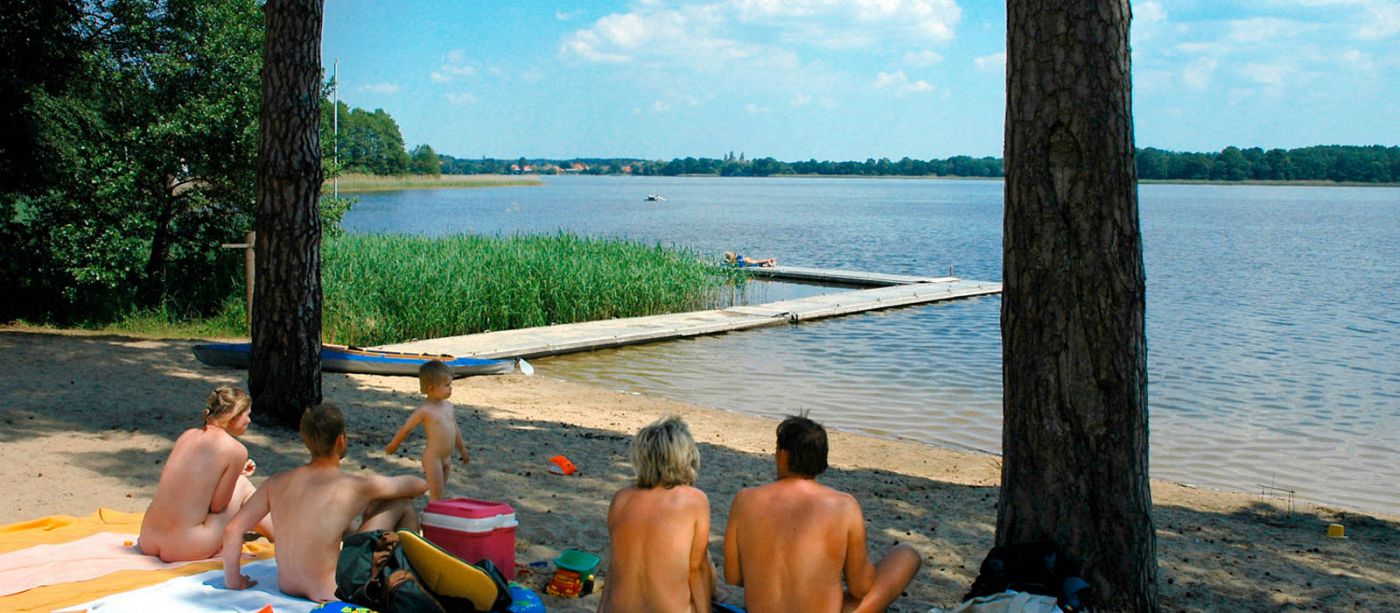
x=893, y=291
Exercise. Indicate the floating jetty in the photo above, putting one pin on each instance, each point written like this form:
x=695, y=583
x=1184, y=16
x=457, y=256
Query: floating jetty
x=887, y=291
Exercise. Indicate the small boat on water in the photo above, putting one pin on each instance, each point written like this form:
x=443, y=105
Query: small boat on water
x=340, y=358
x=655, y=198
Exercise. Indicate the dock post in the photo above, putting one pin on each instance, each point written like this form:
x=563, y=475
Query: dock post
x=249, y=266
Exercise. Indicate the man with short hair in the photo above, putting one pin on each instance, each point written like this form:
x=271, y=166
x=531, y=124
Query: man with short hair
x=315, y=506
x=788, y=543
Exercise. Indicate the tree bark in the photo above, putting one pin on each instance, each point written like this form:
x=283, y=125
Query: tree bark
x=1075, y=467
x=284, y=377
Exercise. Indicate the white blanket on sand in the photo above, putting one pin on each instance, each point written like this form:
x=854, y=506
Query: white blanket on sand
x=204, y=592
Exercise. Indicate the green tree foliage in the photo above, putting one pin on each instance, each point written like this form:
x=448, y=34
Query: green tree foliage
x=141, y=132
x=1373, y=164
x=424, y=161
x=369, y=142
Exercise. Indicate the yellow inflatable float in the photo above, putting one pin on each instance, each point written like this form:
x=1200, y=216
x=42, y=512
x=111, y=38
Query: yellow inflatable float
x=447, y=575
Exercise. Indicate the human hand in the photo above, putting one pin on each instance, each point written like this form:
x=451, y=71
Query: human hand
x=466, y=459
x=242, y=582
x=249, y=468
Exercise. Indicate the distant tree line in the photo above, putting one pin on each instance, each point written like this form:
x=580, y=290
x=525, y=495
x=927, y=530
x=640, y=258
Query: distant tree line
x=1342, y=163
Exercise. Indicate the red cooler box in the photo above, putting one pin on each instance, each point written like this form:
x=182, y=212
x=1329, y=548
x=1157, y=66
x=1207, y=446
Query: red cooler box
x=472, y=530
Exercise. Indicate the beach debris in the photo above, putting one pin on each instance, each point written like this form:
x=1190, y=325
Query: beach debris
x=1336, y=531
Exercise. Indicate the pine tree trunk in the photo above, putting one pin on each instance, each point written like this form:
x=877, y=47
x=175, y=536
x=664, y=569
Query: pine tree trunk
x=1075, y=470
x=285, y=375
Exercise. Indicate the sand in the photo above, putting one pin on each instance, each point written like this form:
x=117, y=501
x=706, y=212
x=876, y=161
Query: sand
x=87, y=420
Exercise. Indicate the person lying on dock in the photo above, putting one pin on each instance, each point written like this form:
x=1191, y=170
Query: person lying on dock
x=316, y=505
x=203, y=484
x=789, y=542
x=439, y=421
x=734, y=259
x=659, y=527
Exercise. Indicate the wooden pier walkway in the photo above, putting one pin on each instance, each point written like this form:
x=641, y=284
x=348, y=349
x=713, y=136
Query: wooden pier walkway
x=895, y=291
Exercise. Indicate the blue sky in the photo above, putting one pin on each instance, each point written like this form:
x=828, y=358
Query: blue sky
x=842, y=79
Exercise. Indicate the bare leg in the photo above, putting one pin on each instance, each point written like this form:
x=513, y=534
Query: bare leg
x=396, y=514
x=432, y=469
x=892, y=574
x=241, y=493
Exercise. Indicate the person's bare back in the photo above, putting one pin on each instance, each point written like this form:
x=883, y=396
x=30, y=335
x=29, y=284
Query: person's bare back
x=203, y=484
x=791, y=542
x=659, y=544
x=316, y=505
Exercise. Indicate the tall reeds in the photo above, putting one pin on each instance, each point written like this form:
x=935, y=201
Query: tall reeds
x=382, y=289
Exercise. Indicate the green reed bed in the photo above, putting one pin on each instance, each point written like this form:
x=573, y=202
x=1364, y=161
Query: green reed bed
x=391, y=288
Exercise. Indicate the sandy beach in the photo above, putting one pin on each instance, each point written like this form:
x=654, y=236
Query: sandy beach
x=88, y=420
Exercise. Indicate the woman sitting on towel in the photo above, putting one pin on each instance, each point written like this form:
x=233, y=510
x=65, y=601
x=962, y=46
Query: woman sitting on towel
x=204, y=482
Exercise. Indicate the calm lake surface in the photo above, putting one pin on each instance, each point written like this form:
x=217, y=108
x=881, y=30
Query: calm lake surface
x=1273, y=314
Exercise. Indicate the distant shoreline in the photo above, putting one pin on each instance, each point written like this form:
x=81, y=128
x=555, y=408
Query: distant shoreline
x=1302, y=183
x=357, y=183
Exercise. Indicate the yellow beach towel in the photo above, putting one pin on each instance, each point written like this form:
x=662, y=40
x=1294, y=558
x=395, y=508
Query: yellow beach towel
x=78, y=581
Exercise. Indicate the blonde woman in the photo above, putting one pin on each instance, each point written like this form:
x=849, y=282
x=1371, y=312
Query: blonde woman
x=204, y=482
x=659, y=527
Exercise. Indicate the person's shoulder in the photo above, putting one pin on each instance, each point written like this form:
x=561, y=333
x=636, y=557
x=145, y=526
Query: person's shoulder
x=692, y=493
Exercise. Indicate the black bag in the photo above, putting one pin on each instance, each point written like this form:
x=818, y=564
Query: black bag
x=1035, y=568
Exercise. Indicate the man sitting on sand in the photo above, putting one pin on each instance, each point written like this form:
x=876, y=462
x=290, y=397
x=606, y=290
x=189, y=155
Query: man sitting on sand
x=659, y=528
x=315, y=506
x=789, y=542
x=204, y=483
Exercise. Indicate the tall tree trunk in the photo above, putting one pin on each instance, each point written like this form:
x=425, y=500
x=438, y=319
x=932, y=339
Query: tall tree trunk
x=1074, y=349
x=285, y=374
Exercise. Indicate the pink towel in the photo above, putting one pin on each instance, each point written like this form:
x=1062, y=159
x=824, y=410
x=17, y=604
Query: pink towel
x=80, y=560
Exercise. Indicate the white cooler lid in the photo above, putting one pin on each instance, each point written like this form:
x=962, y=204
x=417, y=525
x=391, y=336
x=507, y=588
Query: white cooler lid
x=465, y=524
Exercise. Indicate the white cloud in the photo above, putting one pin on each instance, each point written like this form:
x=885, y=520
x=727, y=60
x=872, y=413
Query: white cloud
x=1266, y=29
x=1266, y=74
x=995, y=61
x=567, y=15
x=900, y=83
x=922, y=59
x=754, y=109
x=660, y=106
x=454, y=66
x=379, y=88
x=717, y=31
x=460, y=98
x=801, y=100
x=1384, y=21
x=1197, y=74
x=1149, y=13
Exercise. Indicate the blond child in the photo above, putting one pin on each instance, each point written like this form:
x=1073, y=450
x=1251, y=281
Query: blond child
x=439, y=422
x=203, y=483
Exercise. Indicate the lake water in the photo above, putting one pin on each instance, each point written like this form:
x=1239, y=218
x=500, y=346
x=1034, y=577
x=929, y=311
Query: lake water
x=1273, y=314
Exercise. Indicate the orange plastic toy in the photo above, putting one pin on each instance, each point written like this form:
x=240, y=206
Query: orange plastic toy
x=562, y=466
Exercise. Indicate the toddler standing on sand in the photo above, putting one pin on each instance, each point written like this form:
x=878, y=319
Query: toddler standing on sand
x=439, y=422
